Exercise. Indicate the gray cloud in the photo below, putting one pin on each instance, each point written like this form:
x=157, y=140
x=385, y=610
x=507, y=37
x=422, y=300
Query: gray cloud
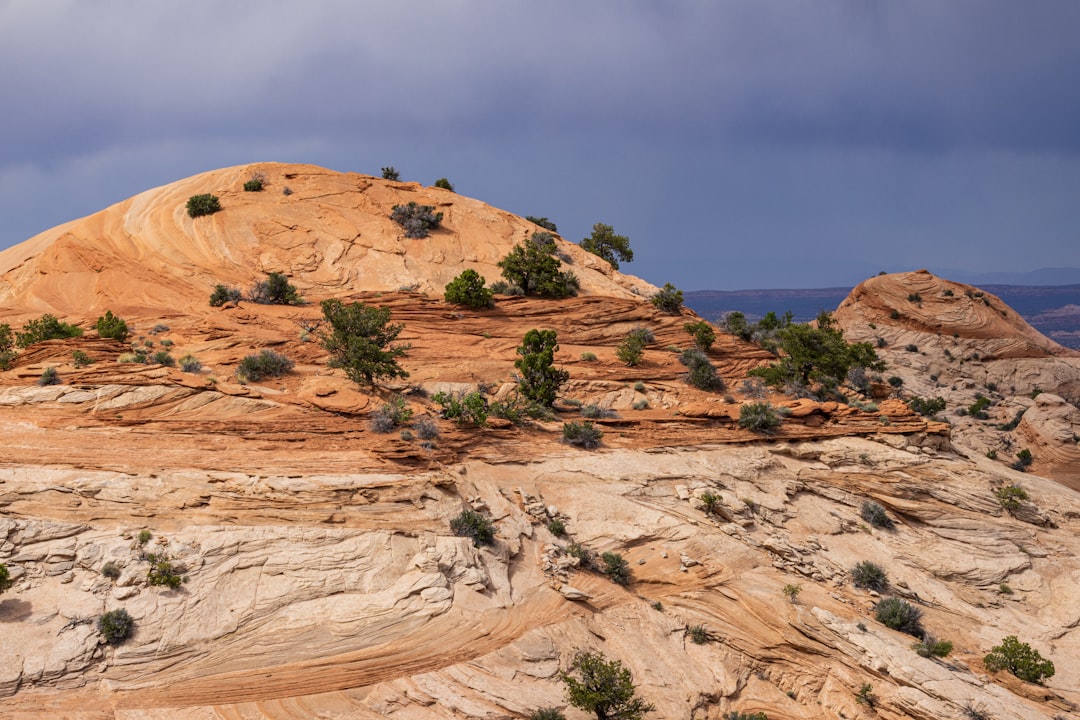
x=710, y=131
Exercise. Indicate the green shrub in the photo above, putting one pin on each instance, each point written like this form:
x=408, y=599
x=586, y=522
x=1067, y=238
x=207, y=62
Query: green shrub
x=792, y=592
x=425, y=428
x=759, y=417
x=7, y=343
x=669, y=299
x=869, y=576
x=464, y=408
x=547, y=714
x=698, y=634
x=930, y=646
x=190, y=364
x=144, y=537
x=1012, y=424
x=46, y=327
x=866, y=696
x=542, y=222
x=444, y=184
x=468, y=289
x=205, y=204
x=5, y=578
x=392, y=414
x=275, y=290
x=736, y=715
x=927, y=407
x=701, y=373
x=735, y=323
x=390, y=173
x=1010, y=497
x=585, y=557
x=255, y=184
x=223, y=294
x=606, y=244
x=702, y=333
x=605, y=688
x=115, y=626
x=584, y=435
x=977, y=409
x=81, y=359
x=266, y=364
x=1023, y=460
x=616, y=568
x=49, y=377
x=360, y=341
x=540, y=380
x=533, y=267
x=898, y=614
x=874, y=514
x=1019, y=659
x=475, y=526
x=556, y=527
x=110, y=570
x=588, y=356
x=110, y=326
x=631, y=350
x=915, y=298
x=162, y=572
x=162, y=357
x=418, y=220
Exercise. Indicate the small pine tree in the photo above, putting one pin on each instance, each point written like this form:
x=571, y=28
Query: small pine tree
x=205, y=204
x=110, y=326
x=224, y=294
x=1020, y=659
x=444, y=184
x=669, y=299
x=702, y=333
x=605, y=688
x=606, y=244
x=540, y=380
x=361, y=340
x=468, y=289
x=390, y=173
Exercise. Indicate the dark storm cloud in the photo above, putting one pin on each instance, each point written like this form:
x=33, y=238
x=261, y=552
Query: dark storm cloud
x=841, y=124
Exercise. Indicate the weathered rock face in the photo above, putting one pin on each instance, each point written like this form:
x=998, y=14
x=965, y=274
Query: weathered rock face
x=320, y=575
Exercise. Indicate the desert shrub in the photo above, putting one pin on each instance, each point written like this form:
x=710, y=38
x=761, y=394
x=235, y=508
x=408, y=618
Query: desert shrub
x=7, y=342
x=81, y=359
x=894, y=314
x=46, y=327
x=392, y=414
x=556, y=527
x=162, y=357
x=190, y=364
x=516, y=408
x=418, y=220
x=710, y=502
x=605, y=688
x=205, y=204
x=1023, y=460
x=360, y=341
x=753, y=389
x=583, y=435
x=255, y=184
x=547, y=714
x=162, y=572
x=144, y=537
x=640, y=405
x=475, y=526
x=759, y=417
x=166, y=342
x=915, y=298
x=223, y=294
x=813, y=355
x=874, y=514
x=930, y=646
x=274, y=290
x=735, y=323
x=501, y=287
x=542, y=222
x=266, y=364
x=616, y=568
x=1012, y=424
x=390, y=173
x=606, y=244
x=899, y=614
x=792, y=591
x=912, y=347
x=896, y=381
x=1010, y=497
x=110, y=326
x=866, y=696
x=586, y=558
x=588, y=356
x=698, y=634
x=702, y=333
x=977, y=409
x=5, y=578
x=869, y=576
x=532, y=266
x=463, y=408
x=1020, y=659
x=669, y=299
x=115, y=626
x=701, y=373
x=49, y=377
x=927, y=406
x=631, y=350
x=468, y=289
x=110, y=570
x=593, y=412
x=444, y=184
x=425, y=428
x=136, y=356
x=540, y=380
x=737, y=715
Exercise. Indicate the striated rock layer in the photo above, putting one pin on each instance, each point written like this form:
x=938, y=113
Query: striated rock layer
x=321, y=578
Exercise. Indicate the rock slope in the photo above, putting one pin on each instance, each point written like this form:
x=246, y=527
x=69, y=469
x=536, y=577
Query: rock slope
x=321, y=575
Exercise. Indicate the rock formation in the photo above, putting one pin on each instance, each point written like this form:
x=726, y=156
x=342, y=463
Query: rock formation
x=320, y=575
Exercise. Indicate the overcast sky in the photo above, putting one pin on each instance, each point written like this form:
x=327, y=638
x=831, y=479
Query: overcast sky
x=739, y=145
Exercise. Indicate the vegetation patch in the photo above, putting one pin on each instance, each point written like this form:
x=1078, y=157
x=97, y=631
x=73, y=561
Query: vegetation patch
x=115, y=626
x=46, y=327
x=583, y=435
x=899, y=614
x=418, y=220
x=603, y=688
x=361, y=340
x=869, y=576
x=205, y=204
x=267, y=364
x=468, y=289
x=1020, y=659
x=474, y=526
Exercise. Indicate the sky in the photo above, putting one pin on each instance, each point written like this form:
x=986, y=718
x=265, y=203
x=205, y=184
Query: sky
x=738, y=144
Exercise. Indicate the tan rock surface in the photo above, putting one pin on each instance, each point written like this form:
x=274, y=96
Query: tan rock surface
x=322, y=577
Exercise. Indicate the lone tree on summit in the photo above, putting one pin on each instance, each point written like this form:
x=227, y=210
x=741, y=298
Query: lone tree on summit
x=606, y=244
x=360, y=341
